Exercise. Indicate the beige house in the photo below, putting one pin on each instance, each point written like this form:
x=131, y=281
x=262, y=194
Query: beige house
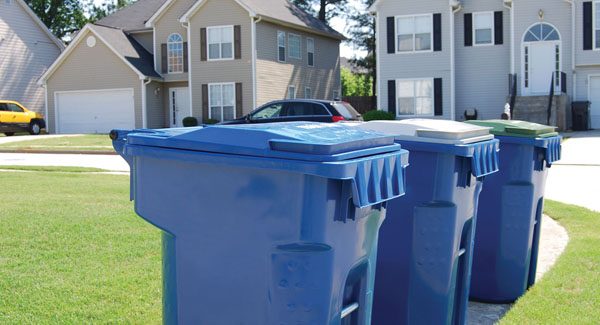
x=155, y=62
x=27, y=49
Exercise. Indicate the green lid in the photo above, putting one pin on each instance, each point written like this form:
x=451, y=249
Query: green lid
x=517, y=128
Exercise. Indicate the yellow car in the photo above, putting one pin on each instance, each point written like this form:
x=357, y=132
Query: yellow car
x=14, y=117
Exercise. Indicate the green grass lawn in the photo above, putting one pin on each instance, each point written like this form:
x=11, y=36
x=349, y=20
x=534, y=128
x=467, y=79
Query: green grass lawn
x=72, y=251
x=570, y=292
x=88, y=142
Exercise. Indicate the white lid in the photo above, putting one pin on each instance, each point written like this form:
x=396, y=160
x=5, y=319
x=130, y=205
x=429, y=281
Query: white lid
x=430, y=130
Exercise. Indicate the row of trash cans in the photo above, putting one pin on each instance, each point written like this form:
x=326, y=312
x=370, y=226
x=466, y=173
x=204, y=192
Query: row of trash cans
x=283, y=223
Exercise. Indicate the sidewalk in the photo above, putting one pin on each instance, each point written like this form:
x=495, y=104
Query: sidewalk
x=108, y=162
x=18, y=138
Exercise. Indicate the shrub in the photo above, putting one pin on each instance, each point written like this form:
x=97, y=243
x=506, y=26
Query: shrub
x=190, y=121
x=210, y=121
x=378, y=116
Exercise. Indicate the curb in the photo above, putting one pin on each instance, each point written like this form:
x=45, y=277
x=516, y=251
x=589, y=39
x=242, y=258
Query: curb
x=62, y=152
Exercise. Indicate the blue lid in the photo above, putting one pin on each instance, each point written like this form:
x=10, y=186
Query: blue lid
x=295, y=140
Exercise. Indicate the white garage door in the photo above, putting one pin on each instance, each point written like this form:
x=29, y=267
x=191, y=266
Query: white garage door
x=95, y=111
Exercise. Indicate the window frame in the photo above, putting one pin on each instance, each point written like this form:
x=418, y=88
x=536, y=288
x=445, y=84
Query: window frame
x=290, y=92
x=493, y=28
x=414, y=50
x=284, y=46
x=309, y=52
x=220, y=44
x=289, y=37
x=221, y=84
x=336, y=95
x=169, y=52
x=414, y=80
x=595, y=27
x=308, y=90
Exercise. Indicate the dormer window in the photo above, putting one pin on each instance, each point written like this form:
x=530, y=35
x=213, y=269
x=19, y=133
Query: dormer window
x=175, y=53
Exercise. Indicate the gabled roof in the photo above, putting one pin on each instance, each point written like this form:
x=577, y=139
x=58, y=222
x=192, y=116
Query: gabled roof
x=38, y=21
x=122, y=45
x=134, y=16
x=280, y=12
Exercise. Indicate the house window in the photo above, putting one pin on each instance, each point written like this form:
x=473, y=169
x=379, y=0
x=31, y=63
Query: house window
x=291, y=92
x=294, y=45
x=175, y=53
x=414, y=33
x=308, y=92
x=415, y=97
x=310, y=51
x=281, y=46
x=220, y=43
x=221, y=97
x=336, y=95
x=483, y=28
x=597, y=24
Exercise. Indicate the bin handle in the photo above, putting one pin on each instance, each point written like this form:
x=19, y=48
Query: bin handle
x=346, y=311
x=378, y=180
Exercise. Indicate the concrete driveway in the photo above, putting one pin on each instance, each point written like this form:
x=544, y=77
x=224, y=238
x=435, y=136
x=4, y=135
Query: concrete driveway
x=109, y=162
x=575, y=179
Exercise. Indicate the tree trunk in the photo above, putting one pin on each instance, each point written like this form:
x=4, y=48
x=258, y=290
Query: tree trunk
x=322, y=11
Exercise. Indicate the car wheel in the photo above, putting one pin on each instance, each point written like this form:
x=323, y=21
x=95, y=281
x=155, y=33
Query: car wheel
x=35, y=128
x=9, y=134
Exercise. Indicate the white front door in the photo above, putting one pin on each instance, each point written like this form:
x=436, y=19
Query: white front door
x=179, y=104
x=594, y=97
x=542, y=64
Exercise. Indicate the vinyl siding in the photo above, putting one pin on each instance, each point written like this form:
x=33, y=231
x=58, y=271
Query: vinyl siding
x=582, y=82
x=155, y=108
x=557, y=13
x=274, y=77
x=107, y=69
x=166, y=25
x=26, y=51
x=219, y=13
x=481, y=71
x=145, y=39
x=414, y=65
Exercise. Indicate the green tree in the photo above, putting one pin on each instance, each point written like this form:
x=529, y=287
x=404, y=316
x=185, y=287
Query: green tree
x=97, y=12
x=63, y=17
x=355, y=84
x=362, y=35
x=325, y=9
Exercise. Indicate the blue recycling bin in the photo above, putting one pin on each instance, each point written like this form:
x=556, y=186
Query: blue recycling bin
x=425, y=246
x=265, y=224
x=510, y=211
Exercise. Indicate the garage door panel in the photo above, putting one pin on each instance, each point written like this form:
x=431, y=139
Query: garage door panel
x=595, y=102
x=95, y=111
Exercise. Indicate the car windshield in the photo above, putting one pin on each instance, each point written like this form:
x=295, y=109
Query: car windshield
x=346, y=110
x=271, y=111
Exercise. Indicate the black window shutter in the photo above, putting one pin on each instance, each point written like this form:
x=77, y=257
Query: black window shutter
x=438, y=98
x=588, y=25
x=468, y=29
x=185, y=57
x=239, y=103
x=392, y=96
x=391, y=35
x=437, y=32
x=202, y=44
x=163, y=58
x=498, y=27
x=204, y=103
x=237, y=41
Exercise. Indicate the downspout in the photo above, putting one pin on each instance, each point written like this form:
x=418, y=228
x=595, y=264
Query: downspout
x=512, y=35
x=45, y=86
x=145, y=82
x=573, y=48
x=378, y=49
x=189, y=48
x=254, y=57
x=455, y=7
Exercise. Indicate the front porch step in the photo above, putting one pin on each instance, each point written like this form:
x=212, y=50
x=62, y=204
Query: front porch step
x=535, y=109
